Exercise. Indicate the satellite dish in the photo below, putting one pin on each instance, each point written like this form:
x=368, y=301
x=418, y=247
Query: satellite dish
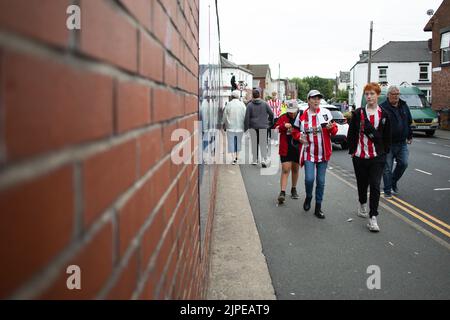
x=430, y=12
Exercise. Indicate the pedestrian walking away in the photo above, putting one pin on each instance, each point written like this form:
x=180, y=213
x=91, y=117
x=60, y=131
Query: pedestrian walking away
x=316, y=123
x=275, y=104
x=258, y=119
x=369, y=139
x=233, y=118
x=402, y=135
x=289, y=151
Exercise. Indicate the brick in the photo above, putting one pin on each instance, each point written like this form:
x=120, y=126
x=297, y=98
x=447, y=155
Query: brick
x=161, y=23
x=127, y=283
x=167, y=132
x=152, y=237
x=151, y=58
x=170, y=71
x=165, y=105
x=133, y=106
x=191, y=104
x=150, y=287
x=170, y=274
x=174, y=43
x=150, y=148
x=171, y=7
x=106, y=176
x=43, y=20
x=50, y=105
x=164, y=252
x=141, y=10
x=170, y=204
x=161, y=182
x=95, y=262
x=134, y=214
x=107, y=35
x=38, y=214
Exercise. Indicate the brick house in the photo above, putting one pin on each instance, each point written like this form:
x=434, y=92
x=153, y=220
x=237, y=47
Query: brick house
x=262, y=78
x=86, y=176
x=439, y=25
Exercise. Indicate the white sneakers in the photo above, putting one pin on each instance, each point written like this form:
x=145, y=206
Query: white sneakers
x=265, y=163
x=362, y=211
x=373, y=225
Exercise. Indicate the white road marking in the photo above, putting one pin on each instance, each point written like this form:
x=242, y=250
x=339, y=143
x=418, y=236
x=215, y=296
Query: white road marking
x=433, y=143
x=430, y=174
x=442, y=189
x=440, y=155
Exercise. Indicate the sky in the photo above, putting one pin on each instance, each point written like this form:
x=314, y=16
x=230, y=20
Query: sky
x=316, y=37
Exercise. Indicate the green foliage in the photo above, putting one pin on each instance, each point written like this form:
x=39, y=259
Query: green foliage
x=342, y=95
x=325, y=86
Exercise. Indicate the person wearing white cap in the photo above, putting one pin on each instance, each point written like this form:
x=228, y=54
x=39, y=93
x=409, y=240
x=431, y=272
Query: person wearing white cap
x=289, y=151
x=233, y=118
x=316, y=123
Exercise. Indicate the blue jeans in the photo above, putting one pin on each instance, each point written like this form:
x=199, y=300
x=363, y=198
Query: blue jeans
x=400, y=153
x=310, y=176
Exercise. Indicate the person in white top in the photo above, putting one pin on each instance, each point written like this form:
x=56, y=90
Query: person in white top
x=233, y=118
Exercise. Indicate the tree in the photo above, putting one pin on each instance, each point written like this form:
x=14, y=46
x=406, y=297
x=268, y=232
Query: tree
x=325, y=86
x=342, y=95
x=302, y=87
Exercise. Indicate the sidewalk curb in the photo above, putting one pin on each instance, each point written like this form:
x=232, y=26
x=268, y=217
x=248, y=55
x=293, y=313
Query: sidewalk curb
x=238, y=268
x=442, y=134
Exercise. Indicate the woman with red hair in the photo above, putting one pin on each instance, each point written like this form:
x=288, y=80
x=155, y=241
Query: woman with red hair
x=369, y=139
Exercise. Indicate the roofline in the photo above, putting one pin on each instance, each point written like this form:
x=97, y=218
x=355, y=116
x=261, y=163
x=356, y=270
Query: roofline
x=239, y=68
x=379, y=49
x=429, y=25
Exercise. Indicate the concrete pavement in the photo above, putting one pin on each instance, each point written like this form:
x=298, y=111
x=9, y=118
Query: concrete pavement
x=238, y=266
x=443, y=134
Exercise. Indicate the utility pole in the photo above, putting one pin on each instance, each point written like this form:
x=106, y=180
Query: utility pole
x=279, y=81
x=370, y=53
x=337, y=88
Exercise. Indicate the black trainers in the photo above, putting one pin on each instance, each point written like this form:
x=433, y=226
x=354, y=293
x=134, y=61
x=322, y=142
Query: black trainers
x=394, y=189
x=282, y=197
x=294, y=194
x=318, y=211
x=307, y=204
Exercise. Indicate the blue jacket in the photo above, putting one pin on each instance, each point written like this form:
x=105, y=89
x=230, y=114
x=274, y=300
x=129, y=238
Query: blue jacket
x=401, y=121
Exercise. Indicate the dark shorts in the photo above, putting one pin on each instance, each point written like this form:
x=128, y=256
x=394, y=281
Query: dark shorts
x=291, y=157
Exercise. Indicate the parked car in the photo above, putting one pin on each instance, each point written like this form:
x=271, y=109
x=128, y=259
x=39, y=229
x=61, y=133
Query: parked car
x=341, y=137
x=424, y=118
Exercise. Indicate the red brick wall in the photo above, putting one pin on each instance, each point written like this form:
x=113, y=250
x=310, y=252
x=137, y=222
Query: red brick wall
x=86, y=177
x=441, y=79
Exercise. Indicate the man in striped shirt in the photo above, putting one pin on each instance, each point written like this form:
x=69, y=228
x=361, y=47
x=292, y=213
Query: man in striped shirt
x=275, y=105
x=369, y=139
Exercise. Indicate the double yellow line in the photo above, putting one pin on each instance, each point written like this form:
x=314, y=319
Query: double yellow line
x=426, y=218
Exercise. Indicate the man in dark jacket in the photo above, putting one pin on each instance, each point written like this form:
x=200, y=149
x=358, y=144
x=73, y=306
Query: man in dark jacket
x=401, y=120
x=258, y=117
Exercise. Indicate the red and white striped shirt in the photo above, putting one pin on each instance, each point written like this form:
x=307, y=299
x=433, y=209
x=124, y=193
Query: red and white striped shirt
x=366, y=148
x=276, y=107
x=314, y=150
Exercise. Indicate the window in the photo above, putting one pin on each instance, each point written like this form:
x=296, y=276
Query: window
x=382, y=77
x=427, y=94
x=445, y=47
x=423, y=72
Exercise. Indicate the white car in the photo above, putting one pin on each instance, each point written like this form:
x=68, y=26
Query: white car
x=341, y=121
